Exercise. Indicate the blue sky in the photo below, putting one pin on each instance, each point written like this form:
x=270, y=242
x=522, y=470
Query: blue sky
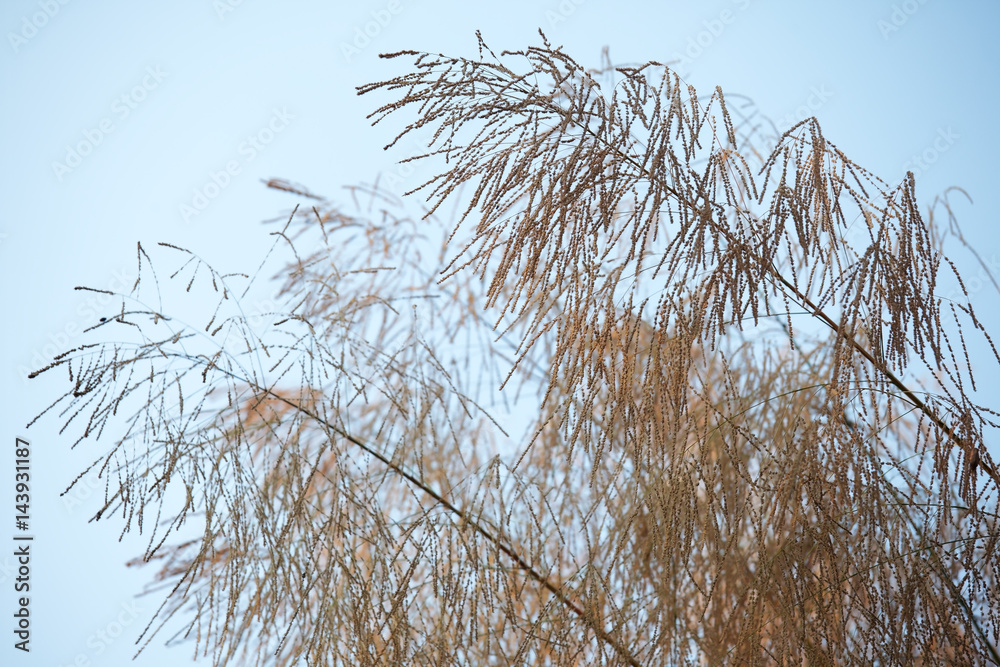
x=169, y=99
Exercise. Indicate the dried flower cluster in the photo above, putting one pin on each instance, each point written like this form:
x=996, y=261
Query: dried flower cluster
x=750, y=434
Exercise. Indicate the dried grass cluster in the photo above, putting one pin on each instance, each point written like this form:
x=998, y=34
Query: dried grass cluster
x=752, y=435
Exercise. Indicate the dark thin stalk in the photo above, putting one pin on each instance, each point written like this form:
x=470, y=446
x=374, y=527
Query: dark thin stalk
x=512, y=553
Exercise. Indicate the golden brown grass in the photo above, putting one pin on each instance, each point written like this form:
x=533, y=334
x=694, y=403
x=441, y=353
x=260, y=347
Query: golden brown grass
x=753, y=440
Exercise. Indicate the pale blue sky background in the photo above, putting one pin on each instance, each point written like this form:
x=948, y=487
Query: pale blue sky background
x=223, y=76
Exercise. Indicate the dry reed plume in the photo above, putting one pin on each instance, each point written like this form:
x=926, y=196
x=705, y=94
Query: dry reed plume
x=752, y=439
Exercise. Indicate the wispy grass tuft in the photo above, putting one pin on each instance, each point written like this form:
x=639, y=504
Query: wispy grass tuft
x=751, y=437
